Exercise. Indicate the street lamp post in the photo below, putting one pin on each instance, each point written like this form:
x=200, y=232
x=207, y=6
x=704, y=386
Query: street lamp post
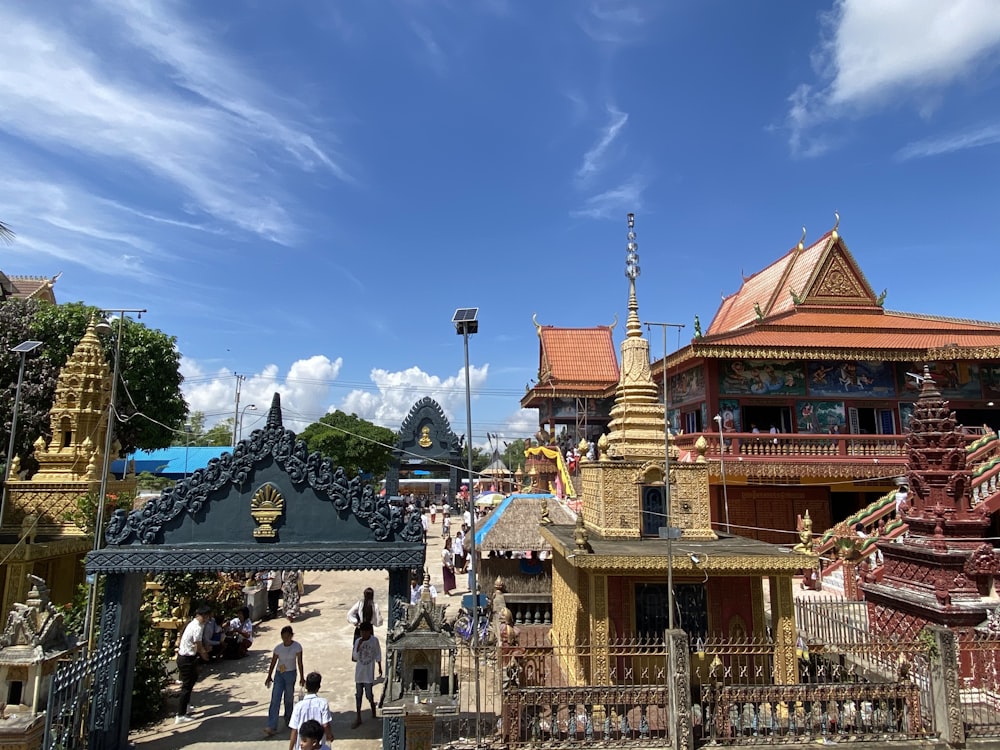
x=24, y=349
x=722, y=468
x=467, y=323
x=104, y=326
x=251, y=407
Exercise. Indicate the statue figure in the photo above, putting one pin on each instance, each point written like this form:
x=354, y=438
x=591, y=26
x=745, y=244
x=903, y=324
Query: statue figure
x=697, y=327
x=546, y=520
x=425, y=437
x=805, y=545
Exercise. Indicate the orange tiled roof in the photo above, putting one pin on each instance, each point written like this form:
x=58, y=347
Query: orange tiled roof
x=577, y=355
x=846, y=329
x=573, y=362
x=34, y=287
x=825, y=272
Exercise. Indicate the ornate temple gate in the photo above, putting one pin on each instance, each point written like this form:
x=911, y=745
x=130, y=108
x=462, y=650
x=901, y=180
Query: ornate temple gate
x=270, y=505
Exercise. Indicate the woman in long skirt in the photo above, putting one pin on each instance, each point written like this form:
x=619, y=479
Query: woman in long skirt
x=290, y=594
x=448, y=567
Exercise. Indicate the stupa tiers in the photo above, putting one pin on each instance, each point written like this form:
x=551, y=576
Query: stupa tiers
x=937, y=573
x=609, y=573
x=37, y=533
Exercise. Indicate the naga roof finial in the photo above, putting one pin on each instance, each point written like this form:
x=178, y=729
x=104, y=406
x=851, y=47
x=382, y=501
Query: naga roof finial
x=802, y=239
x=835, y=234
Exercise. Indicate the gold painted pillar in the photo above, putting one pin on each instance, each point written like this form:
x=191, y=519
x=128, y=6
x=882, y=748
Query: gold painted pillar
x=783, y=627
x=759, y=626
x=600, y=670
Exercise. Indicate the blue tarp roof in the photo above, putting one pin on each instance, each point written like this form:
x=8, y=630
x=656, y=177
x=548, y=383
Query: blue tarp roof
x=175, y=461
x=498, y=511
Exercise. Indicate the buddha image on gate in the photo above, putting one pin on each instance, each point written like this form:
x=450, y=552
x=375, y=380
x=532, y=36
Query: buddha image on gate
x=763, y=377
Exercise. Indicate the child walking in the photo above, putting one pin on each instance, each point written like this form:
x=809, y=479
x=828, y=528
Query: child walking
x=367, y=653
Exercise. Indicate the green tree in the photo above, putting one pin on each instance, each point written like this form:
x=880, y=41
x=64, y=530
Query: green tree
x=194, y=433
x=351, y=442
x=150, y=404
x=513, y=454
x=221, y=433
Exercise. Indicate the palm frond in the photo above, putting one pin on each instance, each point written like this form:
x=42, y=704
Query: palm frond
x=6, y=233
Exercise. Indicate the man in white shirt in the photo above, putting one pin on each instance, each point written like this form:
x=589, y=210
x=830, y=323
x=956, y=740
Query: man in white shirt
x=191, y=648
x=310, y=707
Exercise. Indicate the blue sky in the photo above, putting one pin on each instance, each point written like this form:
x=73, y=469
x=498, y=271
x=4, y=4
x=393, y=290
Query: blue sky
x=304, y=192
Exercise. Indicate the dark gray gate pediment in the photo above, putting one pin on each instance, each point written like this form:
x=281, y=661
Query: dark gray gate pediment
x=425, y=438
x=269, y=504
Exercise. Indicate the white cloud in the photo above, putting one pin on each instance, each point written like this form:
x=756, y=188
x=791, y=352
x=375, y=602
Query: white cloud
x=878, y=52
x=305, y=392
x=593, y=160
x=398, y=391
x=986, y=136
x=60, y=96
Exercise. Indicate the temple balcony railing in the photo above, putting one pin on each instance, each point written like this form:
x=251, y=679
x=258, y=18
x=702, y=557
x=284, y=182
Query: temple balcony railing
x=768, y=446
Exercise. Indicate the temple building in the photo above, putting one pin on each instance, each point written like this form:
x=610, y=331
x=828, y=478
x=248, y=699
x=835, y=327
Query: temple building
x=642, y=523
x=39, y=531
x=803, y=386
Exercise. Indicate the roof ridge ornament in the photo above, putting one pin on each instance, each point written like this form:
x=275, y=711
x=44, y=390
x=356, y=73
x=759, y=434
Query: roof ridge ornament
x=538, y=326
x=835, y=234
x=802, y=239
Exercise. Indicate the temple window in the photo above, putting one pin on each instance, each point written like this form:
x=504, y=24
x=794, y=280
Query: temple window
x=651, y=610
x=653, y=510
x=66, y=427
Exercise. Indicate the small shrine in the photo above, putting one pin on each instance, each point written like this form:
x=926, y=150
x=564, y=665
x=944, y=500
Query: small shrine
x=420, y=670
x=32, y=643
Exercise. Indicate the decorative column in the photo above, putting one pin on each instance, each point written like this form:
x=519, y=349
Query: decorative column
x=786, y=671
x=600, y=670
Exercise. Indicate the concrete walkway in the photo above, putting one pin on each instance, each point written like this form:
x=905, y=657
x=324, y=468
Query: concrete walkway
x=231, y=701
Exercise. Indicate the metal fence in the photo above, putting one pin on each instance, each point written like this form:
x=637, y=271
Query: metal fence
x=73, y=710
x=979, y=682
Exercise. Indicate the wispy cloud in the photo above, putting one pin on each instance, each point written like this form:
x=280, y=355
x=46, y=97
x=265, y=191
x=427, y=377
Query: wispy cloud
x=874, y=54
x=612, y=203
x=593, y=160
x=59, y=97
x=613, y=22
x=986, y=136
x=433, y=54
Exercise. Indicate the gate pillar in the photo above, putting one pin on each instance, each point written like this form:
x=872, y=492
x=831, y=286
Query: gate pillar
x=112, y=687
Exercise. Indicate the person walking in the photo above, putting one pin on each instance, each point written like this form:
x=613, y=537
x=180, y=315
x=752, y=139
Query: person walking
x=272, y=579
x=311, y=733
x=447, y=567
x=191, y=648
x=366, y=654
x=287, y=655
x=364, y=610
x=290, y=593
x=311, y=707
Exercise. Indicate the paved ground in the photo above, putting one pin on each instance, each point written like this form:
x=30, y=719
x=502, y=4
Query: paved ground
x=231, y=701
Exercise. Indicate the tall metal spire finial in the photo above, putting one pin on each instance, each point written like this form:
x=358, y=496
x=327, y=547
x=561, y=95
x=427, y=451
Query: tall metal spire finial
x=632, y=325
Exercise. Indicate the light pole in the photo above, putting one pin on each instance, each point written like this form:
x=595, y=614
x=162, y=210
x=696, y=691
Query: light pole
x=251, y=407
x=24, y=349
x=722, y=467
x=104, y=326
x=467, y=323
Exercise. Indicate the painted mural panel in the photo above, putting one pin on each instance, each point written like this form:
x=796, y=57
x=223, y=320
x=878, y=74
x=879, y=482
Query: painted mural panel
x=763, y=378
x=730, y=410
x=817, y=417
x=990, y=375
x=954, y=379
x=674, y=418
x=687, y=386
x=860, y=379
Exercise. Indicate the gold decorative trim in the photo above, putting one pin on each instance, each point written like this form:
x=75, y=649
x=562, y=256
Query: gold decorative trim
x=266, y=507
